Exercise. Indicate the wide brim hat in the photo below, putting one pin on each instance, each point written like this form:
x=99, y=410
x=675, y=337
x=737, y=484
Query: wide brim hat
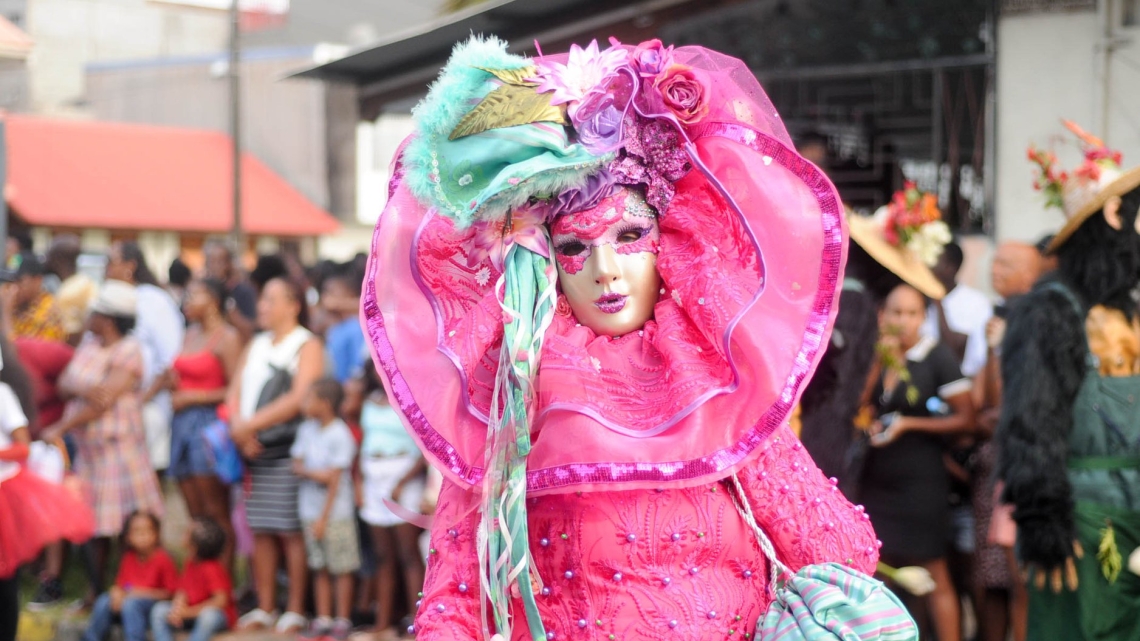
x=751, y=256
x=868, y=234
x=1081, y=204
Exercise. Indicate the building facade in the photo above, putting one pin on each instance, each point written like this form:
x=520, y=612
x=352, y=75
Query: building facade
x=1073, y=59
x=948, y=94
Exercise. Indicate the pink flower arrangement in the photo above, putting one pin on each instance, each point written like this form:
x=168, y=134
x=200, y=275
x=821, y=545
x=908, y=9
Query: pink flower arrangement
x=909, y=210
x=1098, y=156
x=912, y=221
x=1050, y=180
x=592, y=81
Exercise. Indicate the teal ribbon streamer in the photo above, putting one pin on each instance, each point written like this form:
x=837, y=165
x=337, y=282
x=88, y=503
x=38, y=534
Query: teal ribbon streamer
x=527, y=296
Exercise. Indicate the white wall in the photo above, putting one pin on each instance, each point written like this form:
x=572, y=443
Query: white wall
x=71, y=33
x=1049, y=66
x=160, y=249
x=376, y=145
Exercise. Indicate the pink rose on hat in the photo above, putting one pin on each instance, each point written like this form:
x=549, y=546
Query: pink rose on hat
x=684, y=91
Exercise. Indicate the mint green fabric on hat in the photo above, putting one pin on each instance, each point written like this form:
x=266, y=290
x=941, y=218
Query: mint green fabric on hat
x=483, y=175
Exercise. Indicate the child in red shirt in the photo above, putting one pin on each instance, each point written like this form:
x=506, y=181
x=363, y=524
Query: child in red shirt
x=203, y=602
x=146, y=576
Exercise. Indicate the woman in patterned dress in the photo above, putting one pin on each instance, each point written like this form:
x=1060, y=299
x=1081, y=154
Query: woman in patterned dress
x=103, y=383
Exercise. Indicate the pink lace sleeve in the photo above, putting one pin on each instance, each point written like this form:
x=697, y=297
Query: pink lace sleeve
x=806, y=516
x=449, y=604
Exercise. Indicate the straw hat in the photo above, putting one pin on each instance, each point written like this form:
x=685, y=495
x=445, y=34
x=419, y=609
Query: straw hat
x=1086, y=190
x=1086, y=202
x=868, y=233
x=907, y=236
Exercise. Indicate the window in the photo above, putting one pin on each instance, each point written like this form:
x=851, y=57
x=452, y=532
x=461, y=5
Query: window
x=1130, y=13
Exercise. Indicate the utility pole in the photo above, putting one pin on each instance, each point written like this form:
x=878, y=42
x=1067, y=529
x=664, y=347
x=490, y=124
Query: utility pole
x=237, y=237
x=3, y=179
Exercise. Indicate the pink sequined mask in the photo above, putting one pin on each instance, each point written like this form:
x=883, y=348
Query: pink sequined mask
x=622, y=220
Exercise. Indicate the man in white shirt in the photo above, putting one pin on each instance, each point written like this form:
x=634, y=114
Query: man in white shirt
x=960, y=318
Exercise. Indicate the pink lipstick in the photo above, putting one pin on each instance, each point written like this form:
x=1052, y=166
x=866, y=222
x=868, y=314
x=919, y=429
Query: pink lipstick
x=611, y=303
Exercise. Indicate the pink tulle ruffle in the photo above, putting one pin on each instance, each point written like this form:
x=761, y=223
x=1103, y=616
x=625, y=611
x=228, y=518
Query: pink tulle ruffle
x=34, y=514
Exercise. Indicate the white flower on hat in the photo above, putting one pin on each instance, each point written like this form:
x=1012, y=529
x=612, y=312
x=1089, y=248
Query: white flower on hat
x=929, y=240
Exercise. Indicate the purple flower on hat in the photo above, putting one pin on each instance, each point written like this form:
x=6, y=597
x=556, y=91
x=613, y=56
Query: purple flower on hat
x=598, y=117
x=599, y=185
x=651, y=58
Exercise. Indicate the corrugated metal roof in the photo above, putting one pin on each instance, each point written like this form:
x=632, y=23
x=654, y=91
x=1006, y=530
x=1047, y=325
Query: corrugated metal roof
x=517, y=21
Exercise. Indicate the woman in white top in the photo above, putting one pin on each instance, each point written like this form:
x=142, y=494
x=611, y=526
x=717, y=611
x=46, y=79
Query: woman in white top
x=271, y=504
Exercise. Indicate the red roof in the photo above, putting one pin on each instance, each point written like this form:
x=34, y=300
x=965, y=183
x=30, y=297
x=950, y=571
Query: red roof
x=67, y=173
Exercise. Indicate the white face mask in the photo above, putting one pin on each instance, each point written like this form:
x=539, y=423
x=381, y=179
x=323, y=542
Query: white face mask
x=607, y=263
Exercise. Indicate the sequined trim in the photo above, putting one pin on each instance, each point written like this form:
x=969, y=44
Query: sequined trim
x=385, y=357
x=440, y=325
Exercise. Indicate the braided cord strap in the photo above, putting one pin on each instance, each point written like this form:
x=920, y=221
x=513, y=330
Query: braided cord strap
x=527, y=297
x=776, y=568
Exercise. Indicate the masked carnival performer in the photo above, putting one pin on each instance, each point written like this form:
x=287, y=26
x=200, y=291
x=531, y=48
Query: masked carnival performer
x=1069, y=433
x=598, y=287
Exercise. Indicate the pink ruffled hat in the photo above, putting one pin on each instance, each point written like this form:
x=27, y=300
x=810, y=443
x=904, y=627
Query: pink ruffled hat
x=751, y=254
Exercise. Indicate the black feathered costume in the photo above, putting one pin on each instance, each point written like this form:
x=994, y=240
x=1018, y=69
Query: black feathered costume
x=1069, y=438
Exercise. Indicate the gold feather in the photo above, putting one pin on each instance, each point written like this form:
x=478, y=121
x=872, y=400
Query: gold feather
x=508, y=106
x=514, y=76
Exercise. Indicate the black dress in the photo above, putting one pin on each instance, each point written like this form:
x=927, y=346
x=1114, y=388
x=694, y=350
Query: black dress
x=828, y=405
x=905, y=484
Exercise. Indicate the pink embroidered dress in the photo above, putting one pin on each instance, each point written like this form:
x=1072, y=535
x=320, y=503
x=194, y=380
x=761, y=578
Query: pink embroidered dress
x=631, y=529
x=673, y=563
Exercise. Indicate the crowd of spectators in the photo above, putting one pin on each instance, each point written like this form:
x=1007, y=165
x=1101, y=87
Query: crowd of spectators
x=144, y=384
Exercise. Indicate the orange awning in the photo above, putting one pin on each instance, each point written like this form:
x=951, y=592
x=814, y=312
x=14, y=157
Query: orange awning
x=83, y=174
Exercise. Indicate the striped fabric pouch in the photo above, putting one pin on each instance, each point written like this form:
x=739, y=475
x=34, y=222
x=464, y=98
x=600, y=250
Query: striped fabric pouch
x=826, y=602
